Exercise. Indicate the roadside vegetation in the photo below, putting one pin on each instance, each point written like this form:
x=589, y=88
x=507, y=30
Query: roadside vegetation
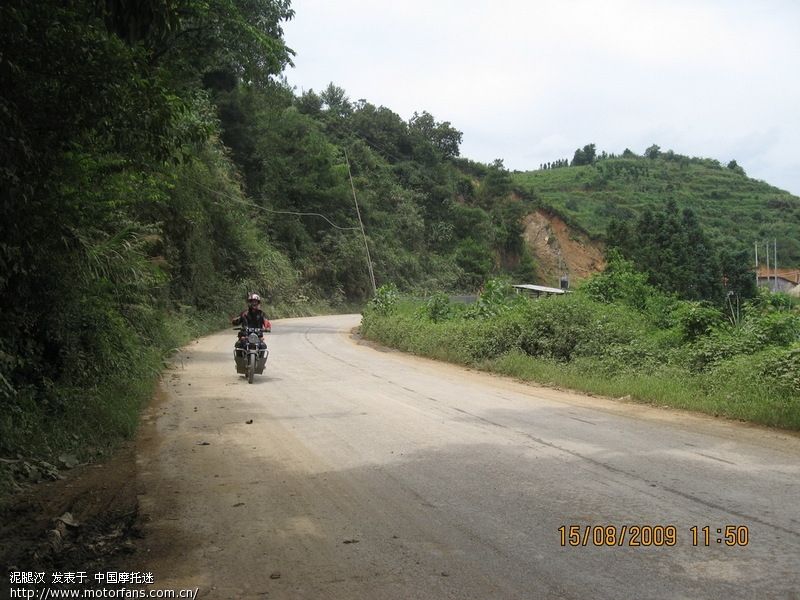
x=673, y=320
x=124, y=228
x=616, y=336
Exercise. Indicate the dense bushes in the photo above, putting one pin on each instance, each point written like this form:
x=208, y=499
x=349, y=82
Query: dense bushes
x=123, y=227
x=143, y=278
x=617, y=335
x=429, y=225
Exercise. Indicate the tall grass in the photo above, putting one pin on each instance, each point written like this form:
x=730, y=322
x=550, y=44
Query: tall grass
x=750, y=372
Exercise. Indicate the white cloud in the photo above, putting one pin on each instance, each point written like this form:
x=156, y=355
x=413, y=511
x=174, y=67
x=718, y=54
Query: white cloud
x=530, y=81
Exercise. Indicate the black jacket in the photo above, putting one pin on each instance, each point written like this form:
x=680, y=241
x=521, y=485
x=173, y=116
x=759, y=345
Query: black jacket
x=252, y=318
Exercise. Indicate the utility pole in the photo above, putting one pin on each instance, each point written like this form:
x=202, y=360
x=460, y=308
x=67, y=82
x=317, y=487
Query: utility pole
x=756, y=247
x=766, y=247
x=775, y=261
x=360, y=222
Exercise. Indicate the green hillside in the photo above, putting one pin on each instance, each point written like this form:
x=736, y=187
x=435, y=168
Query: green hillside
x=734, y=209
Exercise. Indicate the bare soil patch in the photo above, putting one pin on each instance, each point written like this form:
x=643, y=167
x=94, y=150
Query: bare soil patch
x=83, y=522
x=560, y=250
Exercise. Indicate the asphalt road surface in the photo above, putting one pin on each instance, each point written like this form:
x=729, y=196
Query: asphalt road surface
x=378, y=475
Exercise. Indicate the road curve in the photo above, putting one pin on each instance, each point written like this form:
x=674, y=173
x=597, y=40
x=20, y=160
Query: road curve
x=350, y=472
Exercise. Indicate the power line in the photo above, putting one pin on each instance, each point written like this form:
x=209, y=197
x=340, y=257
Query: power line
x=379, y=149
x=270, y=210
x=302, y=214
x=355, y=200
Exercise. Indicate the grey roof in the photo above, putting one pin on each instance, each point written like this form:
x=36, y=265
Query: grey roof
x=539, y=288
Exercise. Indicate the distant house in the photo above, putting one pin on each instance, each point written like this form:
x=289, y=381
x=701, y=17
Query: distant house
x=783, y=281
x=795, y=291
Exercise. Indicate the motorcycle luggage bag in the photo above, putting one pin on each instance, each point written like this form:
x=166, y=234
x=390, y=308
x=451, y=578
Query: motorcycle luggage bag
x=263, y=355
x=240, y=356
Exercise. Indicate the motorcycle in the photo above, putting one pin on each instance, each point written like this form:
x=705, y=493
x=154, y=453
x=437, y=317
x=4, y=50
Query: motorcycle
x=249, y=356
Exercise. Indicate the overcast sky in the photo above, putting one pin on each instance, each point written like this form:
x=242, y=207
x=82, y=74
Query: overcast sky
x=531, y=81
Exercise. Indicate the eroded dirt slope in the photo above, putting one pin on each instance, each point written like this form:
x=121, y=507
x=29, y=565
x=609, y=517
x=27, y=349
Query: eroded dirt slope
x=560, y=250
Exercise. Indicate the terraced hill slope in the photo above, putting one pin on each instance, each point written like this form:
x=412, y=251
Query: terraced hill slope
x=734, y=209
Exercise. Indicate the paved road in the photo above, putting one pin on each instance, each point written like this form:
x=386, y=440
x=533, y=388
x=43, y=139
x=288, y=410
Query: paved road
x=370, y=474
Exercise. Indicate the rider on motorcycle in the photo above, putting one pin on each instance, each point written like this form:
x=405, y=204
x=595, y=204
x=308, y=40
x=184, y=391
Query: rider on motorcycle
x=253, y=317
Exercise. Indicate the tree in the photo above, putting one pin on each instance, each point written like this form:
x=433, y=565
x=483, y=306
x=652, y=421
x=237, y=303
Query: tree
x=734, y=166
x=335, y=101
x=496, y=184
x=738, y=277
x=590, y=153
x=619, y=236
x=476, y=262
x=193, y=36
x=653, y=152
x=705, y=277
x=309, y=103
x=442, y=136
x=673, y=250
x=383, y=130
x=584, y=156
